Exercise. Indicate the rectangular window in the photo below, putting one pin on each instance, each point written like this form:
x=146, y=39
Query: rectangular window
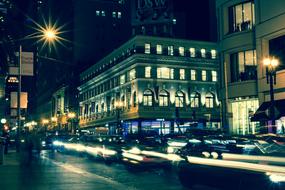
x=132, y=74
x=122, y=79
x=165, y=73
x=181, y=51
x=214, y=76
x=147, y=48
x=158, y=49
x=97, y=13
x=204, y=75
x=147, y=72
x=170, y=50
x=192, y=52
x=182, y=74
x=213, y=54
x=114, y=14
x=103, y=13
x=203, y=53
x=119, y=15
x=193, y=75
x=243, y=66
x=241, y=17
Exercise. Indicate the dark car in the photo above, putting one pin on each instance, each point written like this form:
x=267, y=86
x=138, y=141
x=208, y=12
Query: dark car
x=226, y=168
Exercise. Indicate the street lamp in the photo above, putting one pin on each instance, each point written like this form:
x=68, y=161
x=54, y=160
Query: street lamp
x=271, y=64
x=48, y=35
x=118, y=107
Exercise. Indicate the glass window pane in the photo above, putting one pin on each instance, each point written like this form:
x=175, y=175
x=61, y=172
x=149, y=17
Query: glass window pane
x=247, y=15
x=147, y=48
x=170, y=50
x=203, y=53
x=241, y=61
x=147, y=72
x=182, y=74
x=192, y=52
x=238, y=15
x=249, y=58
x=158, y=49
x=181, y=51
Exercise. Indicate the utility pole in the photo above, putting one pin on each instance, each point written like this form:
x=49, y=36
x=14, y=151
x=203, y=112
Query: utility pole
x=19, y=99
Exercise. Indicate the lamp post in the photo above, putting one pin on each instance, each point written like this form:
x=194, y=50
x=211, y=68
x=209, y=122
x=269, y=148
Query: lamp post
x=271, y=63
x=118, y=106
x=49, y=35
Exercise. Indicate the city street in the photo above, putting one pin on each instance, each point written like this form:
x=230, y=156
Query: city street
x=61, y=171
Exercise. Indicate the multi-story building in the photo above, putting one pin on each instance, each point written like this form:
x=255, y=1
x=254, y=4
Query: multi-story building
x=249, y=31
x=187, y=19
x=99, y=27
x=152, y=84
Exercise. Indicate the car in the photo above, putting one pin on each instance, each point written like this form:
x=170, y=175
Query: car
x=225, y=168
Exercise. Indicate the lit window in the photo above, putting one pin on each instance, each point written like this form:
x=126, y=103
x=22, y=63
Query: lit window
x=193, y=75
x=122, y=79
x=241, y=17
x=244, y=66
x=119, y=15
x=209, y=100
x=165, y=73
x=97, y=13
x=182, y=74
x=163, y=98
x=181, y=51
x=203, y=53
x=147, y=48
x=158, y=49
x=174, y=21
x=147, y=73
x=179, y=99
x=147, y=98
x=214, y=76
x=114, y=14
x=132, y=74
x=192, y=52
x=103, y=13
x=170, y=50
x=204, y=75
x=213, y=54
x=195, y=100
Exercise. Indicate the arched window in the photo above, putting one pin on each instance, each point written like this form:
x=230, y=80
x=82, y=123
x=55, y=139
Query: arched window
x=147, y=98
x=97, y=108
x=195, y=100
x=163, y=98
x=179, y=99
x=135, y=99
x=209, y=100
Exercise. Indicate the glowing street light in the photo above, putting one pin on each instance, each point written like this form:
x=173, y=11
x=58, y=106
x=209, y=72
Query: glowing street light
x=271, y=64
x=71, y=115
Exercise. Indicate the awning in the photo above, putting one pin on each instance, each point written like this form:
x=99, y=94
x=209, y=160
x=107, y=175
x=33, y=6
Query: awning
x=263, y=112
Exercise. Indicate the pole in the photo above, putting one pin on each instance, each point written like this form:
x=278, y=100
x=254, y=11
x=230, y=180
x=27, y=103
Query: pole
x=19, y=99
x=272, y=109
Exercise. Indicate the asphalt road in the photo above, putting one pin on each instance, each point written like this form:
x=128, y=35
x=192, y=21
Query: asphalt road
x=57, y=171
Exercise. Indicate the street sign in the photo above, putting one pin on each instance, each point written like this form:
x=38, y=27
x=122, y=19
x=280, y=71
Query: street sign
x=23, y=100
x=27, y=64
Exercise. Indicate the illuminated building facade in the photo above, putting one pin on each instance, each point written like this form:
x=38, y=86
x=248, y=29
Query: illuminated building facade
x=250, y=31
x=152, y=84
